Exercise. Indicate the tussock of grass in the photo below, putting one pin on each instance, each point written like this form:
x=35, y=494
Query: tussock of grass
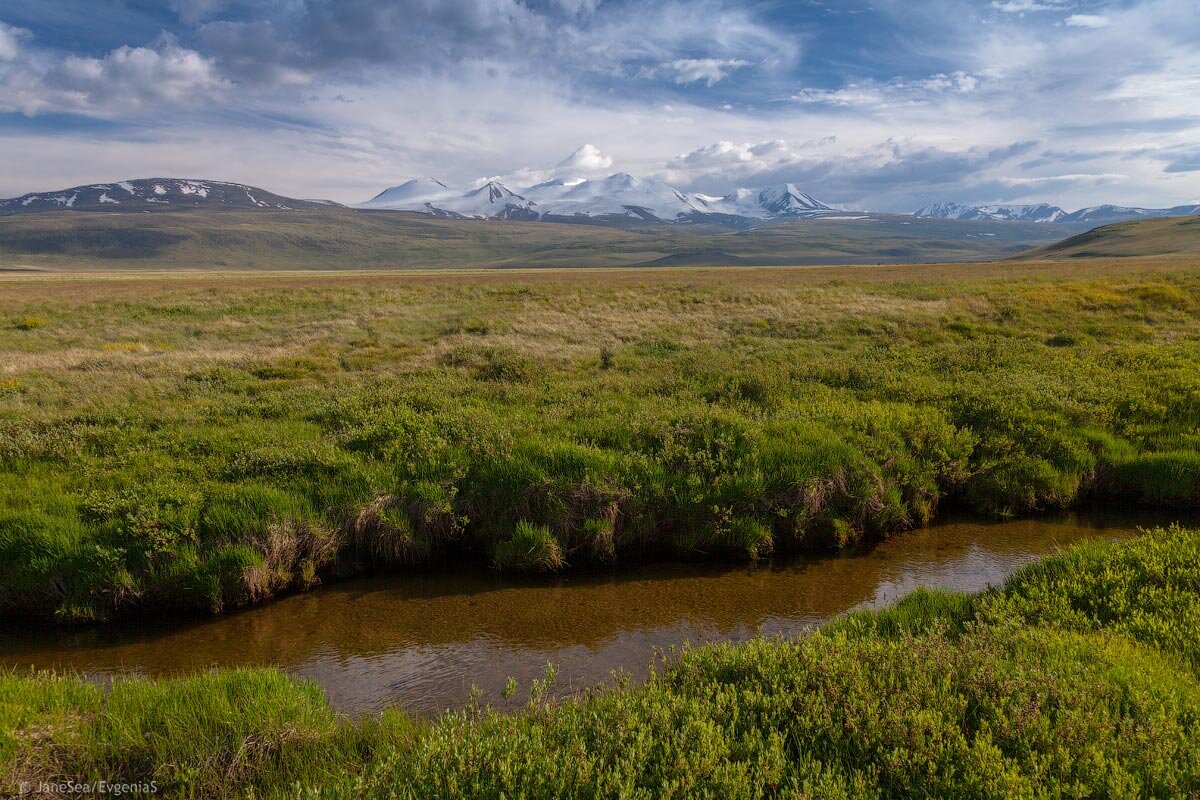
x=1071, y=680
x=531, y=548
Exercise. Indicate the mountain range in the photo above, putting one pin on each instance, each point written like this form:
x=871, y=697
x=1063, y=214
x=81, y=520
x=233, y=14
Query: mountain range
x=618, y=196
x=1043, y=212
x=617, y=200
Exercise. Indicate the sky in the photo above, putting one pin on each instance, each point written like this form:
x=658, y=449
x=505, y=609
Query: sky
x=882, y=105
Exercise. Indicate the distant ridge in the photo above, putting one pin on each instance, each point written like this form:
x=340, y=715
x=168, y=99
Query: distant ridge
x=1043, y=212
x=156, y=194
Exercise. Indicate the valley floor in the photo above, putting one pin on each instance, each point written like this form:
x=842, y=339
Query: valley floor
x=197, y=442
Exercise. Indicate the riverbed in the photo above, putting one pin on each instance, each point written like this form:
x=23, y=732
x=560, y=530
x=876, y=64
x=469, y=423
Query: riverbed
x=422, y=641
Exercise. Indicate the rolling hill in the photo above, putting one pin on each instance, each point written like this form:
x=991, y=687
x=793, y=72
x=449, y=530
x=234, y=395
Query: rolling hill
x=342, y=238
x=155, y=194
x=1148, y=237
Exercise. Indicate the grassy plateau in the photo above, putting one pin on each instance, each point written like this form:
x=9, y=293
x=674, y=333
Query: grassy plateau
x=1076, y=679
x=199, y=442
x=349, y=240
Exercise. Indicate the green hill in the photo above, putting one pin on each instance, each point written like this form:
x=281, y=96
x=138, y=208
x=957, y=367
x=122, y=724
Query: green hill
x=1145, y=237
x=341, y=238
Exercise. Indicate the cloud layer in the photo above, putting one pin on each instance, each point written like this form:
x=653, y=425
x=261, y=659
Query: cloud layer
x=886, y=105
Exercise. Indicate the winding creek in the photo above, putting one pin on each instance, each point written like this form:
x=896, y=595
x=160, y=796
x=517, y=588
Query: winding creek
x=422, y=641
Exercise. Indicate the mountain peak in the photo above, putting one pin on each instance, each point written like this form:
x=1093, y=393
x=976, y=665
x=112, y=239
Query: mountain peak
x=494, y=191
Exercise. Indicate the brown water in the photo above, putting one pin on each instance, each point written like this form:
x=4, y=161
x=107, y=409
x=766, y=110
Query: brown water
x=422, y=641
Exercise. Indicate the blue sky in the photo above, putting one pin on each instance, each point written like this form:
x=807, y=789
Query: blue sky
x=885, y=105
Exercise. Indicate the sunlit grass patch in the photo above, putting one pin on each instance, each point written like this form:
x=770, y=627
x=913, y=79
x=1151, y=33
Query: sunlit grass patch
x=29, y=323
x=690, y=414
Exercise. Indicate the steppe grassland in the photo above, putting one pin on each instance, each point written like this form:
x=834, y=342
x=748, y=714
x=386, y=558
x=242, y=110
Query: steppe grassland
x=202, y=441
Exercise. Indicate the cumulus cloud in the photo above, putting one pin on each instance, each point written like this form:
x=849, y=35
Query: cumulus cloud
x=587, y=160
x=127, y=78
x=727, y=161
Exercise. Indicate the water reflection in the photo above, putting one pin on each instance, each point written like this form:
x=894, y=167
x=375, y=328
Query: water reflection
x=421, y=641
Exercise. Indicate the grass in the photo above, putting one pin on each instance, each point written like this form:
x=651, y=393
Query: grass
x=1149, y=237
x=196, y=443
x=353, y=240
x=1077, y=678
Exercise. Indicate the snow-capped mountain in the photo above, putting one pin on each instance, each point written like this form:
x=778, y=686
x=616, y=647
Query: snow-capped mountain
x=415, y=192
x=1109, y=213
x=781, y=200
x=1043, y=212
x=1040, y=212
x=154, y=194
x=620, y=195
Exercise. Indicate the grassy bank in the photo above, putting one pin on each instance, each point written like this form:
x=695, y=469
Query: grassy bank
x=203, y=442
x=1077, y=679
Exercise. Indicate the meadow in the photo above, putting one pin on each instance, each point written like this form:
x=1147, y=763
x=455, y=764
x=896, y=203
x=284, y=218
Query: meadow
x=196, y=442
x=346, y=239
x=1077, y=678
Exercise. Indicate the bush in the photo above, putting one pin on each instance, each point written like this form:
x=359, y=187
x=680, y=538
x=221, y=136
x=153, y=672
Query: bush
x=1148, y=589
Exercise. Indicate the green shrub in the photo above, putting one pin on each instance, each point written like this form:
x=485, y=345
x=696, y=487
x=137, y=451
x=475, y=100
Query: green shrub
x=1148, y=589
x=1001, y=714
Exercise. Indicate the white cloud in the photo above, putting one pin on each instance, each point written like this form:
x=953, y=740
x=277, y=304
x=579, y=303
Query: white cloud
x=586, y=160
x=195, y=11
x=709, y=70
x=725, y=163
x=128, y=78
x=1079, y=177
x=1088, y=21
x=10, y=41
x=1021, y=6
x=894, y=92
x=464, y=88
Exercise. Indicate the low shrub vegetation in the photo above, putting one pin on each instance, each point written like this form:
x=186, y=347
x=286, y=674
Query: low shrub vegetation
x=287, y=430
x=1077, y=678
